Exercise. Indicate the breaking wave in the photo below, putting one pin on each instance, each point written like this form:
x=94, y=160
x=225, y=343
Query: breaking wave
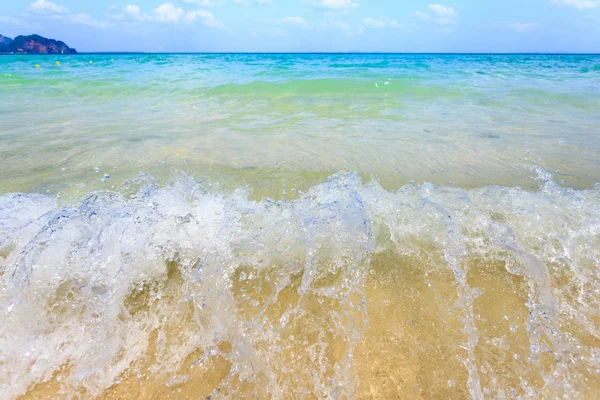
x=177, y=286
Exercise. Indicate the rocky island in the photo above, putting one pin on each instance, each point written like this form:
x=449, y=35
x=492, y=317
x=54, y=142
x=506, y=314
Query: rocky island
x=33, y=44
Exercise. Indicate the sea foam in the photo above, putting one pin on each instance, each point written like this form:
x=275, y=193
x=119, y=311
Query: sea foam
x=150, y=280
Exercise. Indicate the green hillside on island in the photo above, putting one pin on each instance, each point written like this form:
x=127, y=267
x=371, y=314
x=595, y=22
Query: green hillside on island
x=33, y=44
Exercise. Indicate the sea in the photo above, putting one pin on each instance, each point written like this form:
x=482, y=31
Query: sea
x=325, y=226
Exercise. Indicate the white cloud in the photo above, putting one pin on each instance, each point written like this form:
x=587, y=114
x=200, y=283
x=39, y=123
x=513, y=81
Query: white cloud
x=339, y=25
x=334, y=4
x=441, y=14
x=85, y=19
x=251, y=2
x=521, y=27
x=423, y=16
x=380, y=23
x=47, y=7
x=446, y=21
x=374, y=23
x=205, y=17
x=205, y=3
x=441, y=11
x=295, y=21
x=132, y=9
x=579, y=4
x=444, y=15
x=167, y=12
x=136, y=13
x=58, y=12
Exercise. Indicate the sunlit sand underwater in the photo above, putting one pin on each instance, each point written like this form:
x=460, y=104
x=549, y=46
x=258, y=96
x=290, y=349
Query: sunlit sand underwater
x=300, y=226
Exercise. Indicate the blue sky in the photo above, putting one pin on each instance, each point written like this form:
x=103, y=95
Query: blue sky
x=310, y=25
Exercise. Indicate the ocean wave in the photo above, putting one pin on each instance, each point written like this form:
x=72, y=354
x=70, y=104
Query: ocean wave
x=149, y=279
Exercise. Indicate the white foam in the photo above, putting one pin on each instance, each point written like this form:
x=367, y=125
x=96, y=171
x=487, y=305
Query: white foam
x=69, y=271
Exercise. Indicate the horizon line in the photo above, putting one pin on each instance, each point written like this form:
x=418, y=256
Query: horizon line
x=307, y=52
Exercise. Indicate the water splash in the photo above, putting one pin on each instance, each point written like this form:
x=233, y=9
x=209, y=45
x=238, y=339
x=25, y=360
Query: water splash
x=267, y=298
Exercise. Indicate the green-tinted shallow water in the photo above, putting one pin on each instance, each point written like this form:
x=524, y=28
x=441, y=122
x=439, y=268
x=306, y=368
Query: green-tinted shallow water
x=275, y=226
x=466, y=121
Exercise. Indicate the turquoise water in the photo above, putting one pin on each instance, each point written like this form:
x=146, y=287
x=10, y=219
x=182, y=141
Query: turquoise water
x=437, y=216
x=462, y=120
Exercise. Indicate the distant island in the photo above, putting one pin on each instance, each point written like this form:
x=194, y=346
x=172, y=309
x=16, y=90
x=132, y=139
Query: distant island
x=33, y=44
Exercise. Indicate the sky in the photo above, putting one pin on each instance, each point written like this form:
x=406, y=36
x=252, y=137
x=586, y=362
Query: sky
x=310, y=25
